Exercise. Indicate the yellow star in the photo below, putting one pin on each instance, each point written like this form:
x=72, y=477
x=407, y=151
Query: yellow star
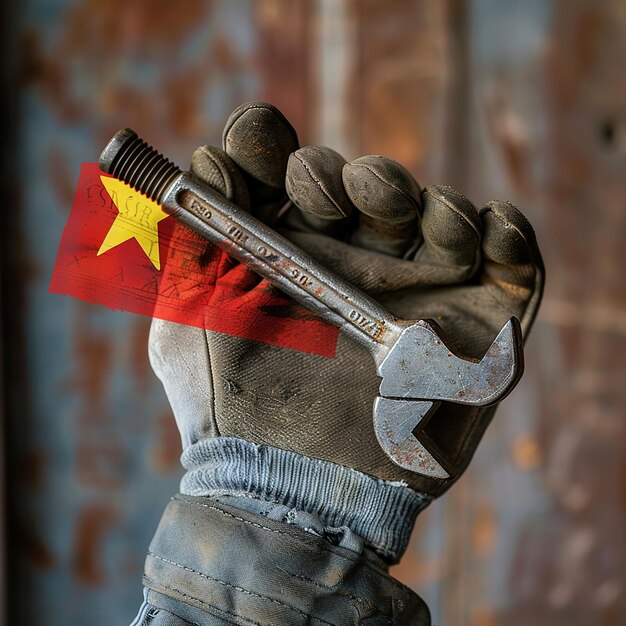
x=138, y=218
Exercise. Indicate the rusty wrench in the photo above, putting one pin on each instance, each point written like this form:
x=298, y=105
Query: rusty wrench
x=418, y=370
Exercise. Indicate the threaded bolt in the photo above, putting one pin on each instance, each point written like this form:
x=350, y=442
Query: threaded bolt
x=130, y=159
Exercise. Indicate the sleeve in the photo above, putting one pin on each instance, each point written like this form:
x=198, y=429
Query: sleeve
x=213, y=563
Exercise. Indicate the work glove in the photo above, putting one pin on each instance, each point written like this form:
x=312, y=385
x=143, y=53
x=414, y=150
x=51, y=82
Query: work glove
x=422, y=253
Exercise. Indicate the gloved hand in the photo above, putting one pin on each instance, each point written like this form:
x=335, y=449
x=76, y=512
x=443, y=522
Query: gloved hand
x=422, y=253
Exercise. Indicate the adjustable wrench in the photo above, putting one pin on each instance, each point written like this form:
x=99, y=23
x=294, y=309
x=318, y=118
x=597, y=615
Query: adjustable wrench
x=417, y=369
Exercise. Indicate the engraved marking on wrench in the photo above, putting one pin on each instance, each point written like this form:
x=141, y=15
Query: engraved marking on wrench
x=236, y=233
x=371, y=327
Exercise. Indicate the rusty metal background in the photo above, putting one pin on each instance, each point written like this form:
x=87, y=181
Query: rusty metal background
x=524, y=101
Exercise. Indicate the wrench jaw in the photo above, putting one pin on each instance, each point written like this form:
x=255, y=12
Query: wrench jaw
x=502, y=366
x=399, y=427
x=409, y=394
x=420, y=366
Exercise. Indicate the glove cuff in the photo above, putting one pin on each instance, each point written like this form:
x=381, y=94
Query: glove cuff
x=210, y=563
x=381, y=512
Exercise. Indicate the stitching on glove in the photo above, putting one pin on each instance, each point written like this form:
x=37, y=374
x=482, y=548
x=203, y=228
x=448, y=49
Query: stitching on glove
x=262, y=107
x=451, y=206
x=239, y=519
x=318, y=182
x=403, y=193
x=203, y=602
x=216, y=493
x=212, y=378
x=236, y=588
x=360, y=599
x=363, y=563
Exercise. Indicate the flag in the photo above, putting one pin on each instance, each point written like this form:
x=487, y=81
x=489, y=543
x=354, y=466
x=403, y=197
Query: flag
x=121, y=250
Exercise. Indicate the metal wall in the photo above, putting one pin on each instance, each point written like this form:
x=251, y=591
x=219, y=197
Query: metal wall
x=504, y=99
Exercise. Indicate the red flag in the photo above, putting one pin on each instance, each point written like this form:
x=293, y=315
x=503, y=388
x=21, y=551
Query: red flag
x=119, y=249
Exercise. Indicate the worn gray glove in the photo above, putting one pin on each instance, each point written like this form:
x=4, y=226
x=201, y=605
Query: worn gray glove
x=422, y=253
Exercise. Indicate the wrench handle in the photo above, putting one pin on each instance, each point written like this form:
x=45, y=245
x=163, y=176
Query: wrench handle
x=242, y=236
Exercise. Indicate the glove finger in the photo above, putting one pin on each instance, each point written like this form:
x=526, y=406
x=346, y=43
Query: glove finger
x=215, y=168
x=314, y=185
x=512, y=263
x=259, y=139
x=451, y=230
x=388, y=199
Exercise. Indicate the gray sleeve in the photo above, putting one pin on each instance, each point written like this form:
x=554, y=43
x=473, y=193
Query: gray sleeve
x=211, y=563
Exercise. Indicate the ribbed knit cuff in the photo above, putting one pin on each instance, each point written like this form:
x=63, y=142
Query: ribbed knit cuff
x=382, y=513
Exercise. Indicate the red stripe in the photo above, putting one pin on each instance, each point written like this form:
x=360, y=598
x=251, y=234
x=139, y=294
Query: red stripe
x=198, y=285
